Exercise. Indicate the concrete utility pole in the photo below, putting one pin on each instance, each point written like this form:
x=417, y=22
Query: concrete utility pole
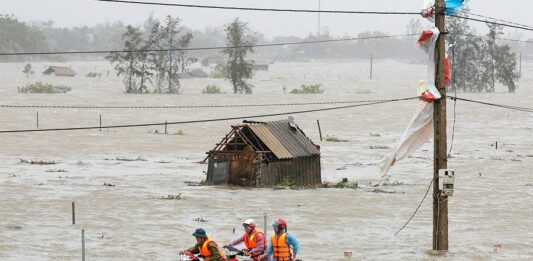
x=440, y=157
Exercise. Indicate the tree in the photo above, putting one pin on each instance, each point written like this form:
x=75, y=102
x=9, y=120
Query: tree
x=503, y=61
x=237, y=70
x=132, y=62
x=414, y=26
x=478, y=62
x=464, y=55
x=171, y=36
x=27, y=70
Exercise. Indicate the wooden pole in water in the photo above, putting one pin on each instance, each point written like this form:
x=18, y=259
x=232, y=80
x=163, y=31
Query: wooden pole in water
x=83, y=244
x=73, y=213
x=371, y=65
x=440, y=157
x=319, y=130
x=165, y=127
x=100, y=122
x=37, y=120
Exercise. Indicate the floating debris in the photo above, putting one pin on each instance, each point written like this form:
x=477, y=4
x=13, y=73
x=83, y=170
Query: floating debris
x=172, y=197
x=379, y=147
x=56, y=170
x=200, y=219
x=14, y=227
x=380, y=190
x=38, y=162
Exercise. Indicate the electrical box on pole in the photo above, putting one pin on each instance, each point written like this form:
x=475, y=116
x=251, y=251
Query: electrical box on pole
x=446, y=182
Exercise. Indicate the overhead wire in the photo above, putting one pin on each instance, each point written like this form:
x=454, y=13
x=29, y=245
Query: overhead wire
x=259, y=9
x=517, y=108
x=495, y=19
x=186, y=106
x=205, y=120
x=492, y=22
x=507, y=24
x=416, y=210
x=208, y=48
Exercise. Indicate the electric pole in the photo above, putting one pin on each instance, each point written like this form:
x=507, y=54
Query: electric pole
x=440, y=157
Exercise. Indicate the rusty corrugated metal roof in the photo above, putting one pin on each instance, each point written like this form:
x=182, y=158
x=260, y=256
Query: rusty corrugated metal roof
x=60, y=71
x=285, y=142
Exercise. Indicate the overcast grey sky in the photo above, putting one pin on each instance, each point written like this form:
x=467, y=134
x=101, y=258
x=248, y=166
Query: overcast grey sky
x=70, y=13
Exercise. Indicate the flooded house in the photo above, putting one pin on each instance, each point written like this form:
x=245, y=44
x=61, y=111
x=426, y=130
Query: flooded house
x=60, y=71
x=265, y=154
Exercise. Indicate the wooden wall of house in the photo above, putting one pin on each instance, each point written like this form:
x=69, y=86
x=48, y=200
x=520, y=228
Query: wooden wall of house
x=242, y=168
x=302, y=171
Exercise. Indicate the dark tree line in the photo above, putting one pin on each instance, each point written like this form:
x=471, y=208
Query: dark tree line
x=17, y=36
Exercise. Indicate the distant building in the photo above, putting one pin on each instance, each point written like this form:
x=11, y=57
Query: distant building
x=195, y=73
x=265, y=154
x=261, y=66
x=60, y=71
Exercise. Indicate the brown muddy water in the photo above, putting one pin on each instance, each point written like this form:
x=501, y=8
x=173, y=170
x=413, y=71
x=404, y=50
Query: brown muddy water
x=129, y=221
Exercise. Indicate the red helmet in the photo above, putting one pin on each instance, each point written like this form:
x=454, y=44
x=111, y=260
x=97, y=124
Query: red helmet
x=281, y=224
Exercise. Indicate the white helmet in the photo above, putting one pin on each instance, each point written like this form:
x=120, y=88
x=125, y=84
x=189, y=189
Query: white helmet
x=249, y=223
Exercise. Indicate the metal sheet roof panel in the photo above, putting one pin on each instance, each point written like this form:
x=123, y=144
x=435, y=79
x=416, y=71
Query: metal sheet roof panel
x=285, y=142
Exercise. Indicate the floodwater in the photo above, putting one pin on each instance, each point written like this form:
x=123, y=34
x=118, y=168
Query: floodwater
x=129, y=221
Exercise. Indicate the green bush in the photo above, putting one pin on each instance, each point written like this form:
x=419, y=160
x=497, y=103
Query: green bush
x=38, y=87
x=308, y=89
x=287, y=182
x=211, y=89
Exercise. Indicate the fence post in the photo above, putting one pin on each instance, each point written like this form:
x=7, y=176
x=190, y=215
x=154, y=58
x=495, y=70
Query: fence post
x=83, y=244
x=371, y=65
x=73, y=213
x=319, y=130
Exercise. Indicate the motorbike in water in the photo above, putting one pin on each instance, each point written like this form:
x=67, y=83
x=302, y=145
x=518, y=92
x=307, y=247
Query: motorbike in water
x=231, y=255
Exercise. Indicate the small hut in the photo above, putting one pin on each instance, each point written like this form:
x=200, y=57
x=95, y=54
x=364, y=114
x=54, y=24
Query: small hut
x=265, y=154
x=261, y=66
x=60, y=71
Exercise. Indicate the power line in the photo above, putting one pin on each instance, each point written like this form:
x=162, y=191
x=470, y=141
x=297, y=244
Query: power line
x=233, y=47
x=507, y=24
x=209, y=48
x=497, y=38
x=491, y=22
x=524, y=109
x=259, y=9
x=416, y=210
x=496, y=19
x=205, y=120
x=185, y=106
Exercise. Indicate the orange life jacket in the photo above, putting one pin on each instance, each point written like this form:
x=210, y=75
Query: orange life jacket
x=204, y=250
x=249, y=241
x=282, y=251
